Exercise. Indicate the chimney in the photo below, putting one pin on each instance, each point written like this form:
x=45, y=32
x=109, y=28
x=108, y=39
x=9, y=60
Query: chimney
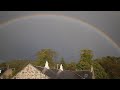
x=57, y=66
x=91, y=68
x=46, y=65
x=61, y=67
x=92, y=71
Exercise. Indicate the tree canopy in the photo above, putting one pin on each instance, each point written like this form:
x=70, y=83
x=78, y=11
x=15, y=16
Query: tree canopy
x=86, y=61
x=104, y=68
x=46, y=55
x=111, y=66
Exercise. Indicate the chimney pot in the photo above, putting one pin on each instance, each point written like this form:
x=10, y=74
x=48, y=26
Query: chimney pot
x=61, y=67
x=46, y=65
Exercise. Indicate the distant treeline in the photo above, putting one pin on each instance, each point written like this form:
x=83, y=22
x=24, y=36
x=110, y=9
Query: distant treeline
x=105, y=67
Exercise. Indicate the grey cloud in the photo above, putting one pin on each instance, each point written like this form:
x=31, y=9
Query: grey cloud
x=25, y=37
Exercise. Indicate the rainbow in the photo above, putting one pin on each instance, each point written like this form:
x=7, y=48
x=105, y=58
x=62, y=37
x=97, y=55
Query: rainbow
x=64, y=17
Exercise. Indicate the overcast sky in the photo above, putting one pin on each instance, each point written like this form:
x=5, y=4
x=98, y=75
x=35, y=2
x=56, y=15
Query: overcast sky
x=22, y=38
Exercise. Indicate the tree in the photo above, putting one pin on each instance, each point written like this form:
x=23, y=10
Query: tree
x=3, y=64
x=71, y=66
x=86, y=61
x=111, y=66
x=99, y=71
x=46, y=55
x=86, y=55
x=83, y=65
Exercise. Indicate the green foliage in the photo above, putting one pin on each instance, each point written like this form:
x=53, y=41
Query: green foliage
x=46, y=55
x=86, y=55
x=83, y=65
x=99, y=71
x=86, y=62
x=111, y=66
x=3, y=64
x=71, y=66
x=104, y=68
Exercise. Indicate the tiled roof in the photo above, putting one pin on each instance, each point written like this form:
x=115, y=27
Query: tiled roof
x=84, y=74
x=50, y=73
x=66, y=74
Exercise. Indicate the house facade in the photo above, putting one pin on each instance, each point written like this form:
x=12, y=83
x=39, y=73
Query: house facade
x=30, y=72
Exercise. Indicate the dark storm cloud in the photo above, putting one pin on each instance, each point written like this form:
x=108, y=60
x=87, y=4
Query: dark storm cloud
x=64, y=36
x=107, y=21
